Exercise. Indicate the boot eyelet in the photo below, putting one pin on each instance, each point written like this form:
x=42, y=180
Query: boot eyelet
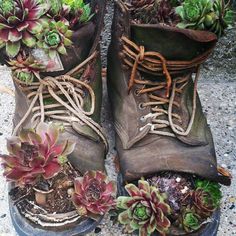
x=143, y=119
x=141, y=106
x=137, y=92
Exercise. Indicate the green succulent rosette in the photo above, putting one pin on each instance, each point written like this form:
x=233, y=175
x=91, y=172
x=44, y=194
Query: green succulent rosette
x=191, y=221
x=210, y=15
x=55, y=38
x=144, y=209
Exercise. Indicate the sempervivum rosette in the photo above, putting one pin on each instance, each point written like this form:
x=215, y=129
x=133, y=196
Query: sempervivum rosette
x=203, y=202
x=25, y=68
x=34, y=154
x=54, y=38
x=145, y=209
x=94, y=194
x=19, y=21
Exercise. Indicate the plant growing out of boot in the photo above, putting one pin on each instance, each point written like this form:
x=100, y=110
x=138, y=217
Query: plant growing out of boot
x=185, y=203
x=42, y=179
x=20, y=20
x=26, y=68
x=73, y=12
x=210, y=15
x=94, y=194
x=145, y=209
x=54, y=38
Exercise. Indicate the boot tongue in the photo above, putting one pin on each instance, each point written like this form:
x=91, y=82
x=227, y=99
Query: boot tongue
x=171, y=42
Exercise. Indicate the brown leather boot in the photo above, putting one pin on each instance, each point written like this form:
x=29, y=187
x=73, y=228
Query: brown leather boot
x=157, y=113
x=71, y=97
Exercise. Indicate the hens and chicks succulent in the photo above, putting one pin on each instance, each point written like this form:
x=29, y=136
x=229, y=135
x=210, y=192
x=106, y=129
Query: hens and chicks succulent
x=210, y=15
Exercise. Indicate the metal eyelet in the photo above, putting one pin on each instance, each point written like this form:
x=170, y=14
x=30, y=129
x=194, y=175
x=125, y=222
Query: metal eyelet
x=141, y=106
x=143, y=119
x=137, y=92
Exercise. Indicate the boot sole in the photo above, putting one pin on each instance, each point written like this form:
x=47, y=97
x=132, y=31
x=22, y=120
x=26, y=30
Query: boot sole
x=25, y=228
x=210, y=229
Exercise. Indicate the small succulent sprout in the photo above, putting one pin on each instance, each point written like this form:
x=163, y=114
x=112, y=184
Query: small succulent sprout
x=20, y=20
x=144, y=209
x=94, y=194
x=55, y=38
x=34, y=155
x=191, y=221
x=26, y=68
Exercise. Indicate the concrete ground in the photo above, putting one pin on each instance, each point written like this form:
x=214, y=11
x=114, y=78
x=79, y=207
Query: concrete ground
x=217, y=91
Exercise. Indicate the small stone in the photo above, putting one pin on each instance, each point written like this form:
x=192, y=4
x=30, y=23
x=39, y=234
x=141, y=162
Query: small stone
x=232, y=200
x=1, y=134
x=3, y=215
x=97, y=230
x=232, y=207
x=178, y=179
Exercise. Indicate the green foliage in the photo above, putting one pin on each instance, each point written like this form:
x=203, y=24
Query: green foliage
x=211, y=15
x=55, y=37
x=212, y=188
x=191, y=221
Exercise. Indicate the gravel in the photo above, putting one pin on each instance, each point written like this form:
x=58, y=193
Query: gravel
x=217, y=92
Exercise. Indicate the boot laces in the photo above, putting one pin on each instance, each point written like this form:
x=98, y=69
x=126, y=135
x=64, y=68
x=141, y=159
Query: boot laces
x=153, y=62
x=67, y=94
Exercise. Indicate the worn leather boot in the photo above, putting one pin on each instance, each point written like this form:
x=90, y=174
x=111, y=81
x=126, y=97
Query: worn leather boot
x=71, y=97
x=153, y=71
x=81, y=85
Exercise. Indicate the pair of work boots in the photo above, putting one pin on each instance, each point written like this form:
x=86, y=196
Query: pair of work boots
x=157, y=113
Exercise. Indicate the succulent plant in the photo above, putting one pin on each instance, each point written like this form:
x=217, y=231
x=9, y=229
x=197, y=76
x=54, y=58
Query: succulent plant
x=35, y=154
x=54, y=37
x=145, y=209
x=70, y=11
x=25, y=68
x=19, y=21
x=190, y=221
x=203, y=202
x=153, y=12
x=94, y=194
x=221, y=18
x=212, y=188
x=211, y=15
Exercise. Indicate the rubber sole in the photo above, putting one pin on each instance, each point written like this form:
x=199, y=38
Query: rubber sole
x=25, y=228
x=210, y=229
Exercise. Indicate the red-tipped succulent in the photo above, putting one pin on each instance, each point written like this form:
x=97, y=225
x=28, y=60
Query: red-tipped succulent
x=203, y=202
x=145, y=209
x=19, y=21
x=94, y=194
x=25, y=68
x=34, y=154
